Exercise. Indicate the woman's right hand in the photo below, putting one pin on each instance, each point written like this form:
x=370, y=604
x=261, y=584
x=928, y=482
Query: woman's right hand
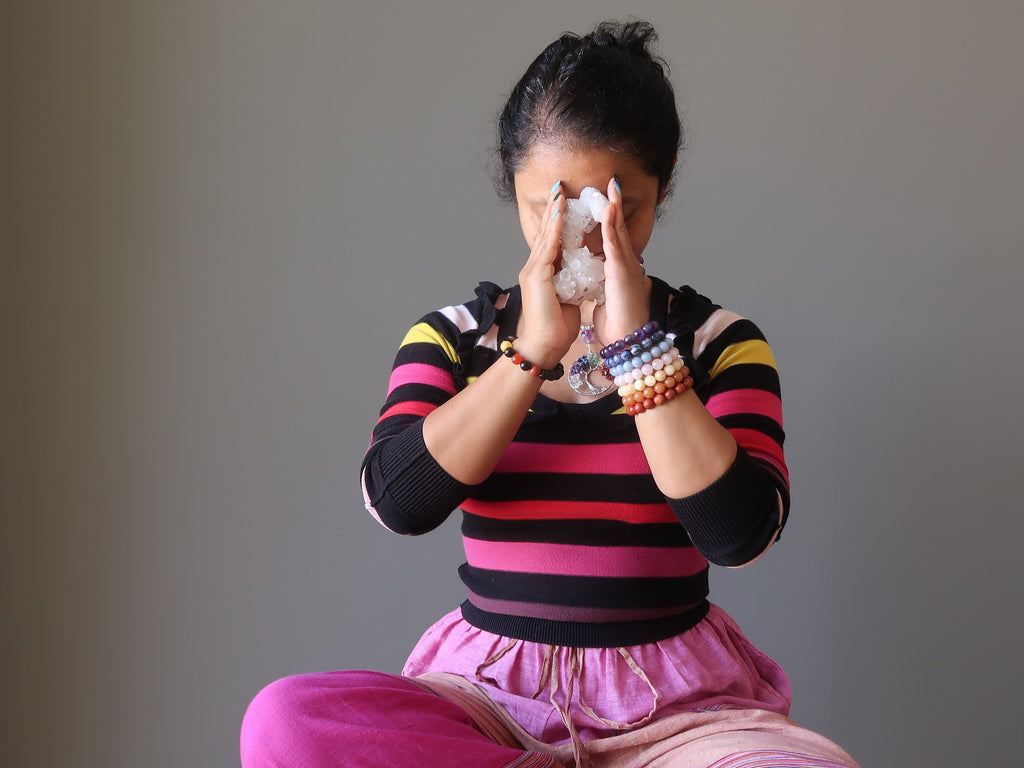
x=469, y=433
x=549, y=327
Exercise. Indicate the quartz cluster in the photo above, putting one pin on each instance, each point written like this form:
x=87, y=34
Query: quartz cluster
x=582, y=274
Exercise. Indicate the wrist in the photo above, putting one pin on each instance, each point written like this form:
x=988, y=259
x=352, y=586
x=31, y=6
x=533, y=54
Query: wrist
x=647, y=369
x=543, y=352
x=533, y=366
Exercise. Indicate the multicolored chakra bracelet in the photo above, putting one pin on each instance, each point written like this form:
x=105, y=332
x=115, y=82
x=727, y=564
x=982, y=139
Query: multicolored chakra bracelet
x=546, y=374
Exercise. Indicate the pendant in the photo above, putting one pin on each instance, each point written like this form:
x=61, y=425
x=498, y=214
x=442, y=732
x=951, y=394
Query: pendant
x=585, y=365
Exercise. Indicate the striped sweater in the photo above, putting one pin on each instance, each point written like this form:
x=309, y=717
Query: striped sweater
x=569, y=541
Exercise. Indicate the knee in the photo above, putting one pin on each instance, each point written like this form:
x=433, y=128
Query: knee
x=272, y=720
x=307, y=719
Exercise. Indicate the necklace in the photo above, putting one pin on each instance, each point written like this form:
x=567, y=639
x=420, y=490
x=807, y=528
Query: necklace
x=586, y=364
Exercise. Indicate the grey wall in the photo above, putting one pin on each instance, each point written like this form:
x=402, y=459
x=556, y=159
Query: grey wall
x=218, y=218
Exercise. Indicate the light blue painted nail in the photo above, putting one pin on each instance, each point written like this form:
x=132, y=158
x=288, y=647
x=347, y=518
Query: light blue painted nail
x=557, y=185
x=554, y=214
x=618, y=187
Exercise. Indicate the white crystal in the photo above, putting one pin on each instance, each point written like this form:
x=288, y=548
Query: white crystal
x=595, y=202
x=582, y=274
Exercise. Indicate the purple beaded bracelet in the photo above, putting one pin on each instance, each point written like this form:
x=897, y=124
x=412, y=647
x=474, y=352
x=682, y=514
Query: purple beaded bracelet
x=636, y=337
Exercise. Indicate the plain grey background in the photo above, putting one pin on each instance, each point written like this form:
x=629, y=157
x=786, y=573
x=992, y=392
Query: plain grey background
x=219, y=218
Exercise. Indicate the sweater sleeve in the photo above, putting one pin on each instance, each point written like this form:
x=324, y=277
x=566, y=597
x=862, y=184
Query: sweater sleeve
x=738, y=517
x=404, y=488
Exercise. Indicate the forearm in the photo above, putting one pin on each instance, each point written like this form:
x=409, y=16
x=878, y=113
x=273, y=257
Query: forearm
x=732, y=505
x=686, y=447
x=468, y=434
x=405, y=488
x=738, y=517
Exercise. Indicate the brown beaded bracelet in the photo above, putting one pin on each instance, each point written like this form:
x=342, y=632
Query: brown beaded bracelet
x=546, y=374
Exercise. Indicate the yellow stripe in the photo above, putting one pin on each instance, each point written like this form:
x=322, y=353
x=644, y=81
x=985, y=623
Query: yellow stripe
x=422, y=333
x=754, y=351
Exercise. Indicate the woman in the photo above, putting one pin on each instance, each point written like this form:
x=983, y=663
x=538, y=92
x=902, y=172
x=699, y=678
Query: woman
x=591, y=509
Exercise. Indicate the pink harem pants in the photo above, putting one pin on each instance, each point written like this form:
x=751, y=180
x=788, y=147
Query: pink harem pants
x=707, y=699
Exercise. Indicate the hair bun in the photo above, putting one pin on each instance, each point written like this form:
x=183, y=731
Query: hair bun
x=634, y=35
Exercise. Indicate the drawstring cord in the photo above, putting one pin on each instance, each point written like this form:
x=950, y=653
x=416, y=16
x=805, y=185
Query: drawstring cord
x=636, y=670
x=550, y=676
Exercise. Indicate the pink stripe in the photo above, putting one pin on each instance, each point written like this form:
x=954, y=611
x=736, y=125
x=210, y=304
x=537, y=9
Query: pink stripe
x=746, y=401
x=570, y=510
x=421, y=373
x=580, y=560
x=407, y=407
x=612, y=459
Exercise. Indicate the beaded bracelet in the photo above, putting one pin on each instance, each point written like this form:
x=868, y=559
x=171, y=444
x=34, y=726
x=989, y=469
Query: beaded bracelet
x=546, y=374
x=638, y=336
x=642, y=396
x=647, y=369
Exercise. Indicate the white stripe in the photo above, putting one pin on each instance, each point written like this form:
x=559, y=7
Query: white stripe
x=719, y=320
x=461, y=316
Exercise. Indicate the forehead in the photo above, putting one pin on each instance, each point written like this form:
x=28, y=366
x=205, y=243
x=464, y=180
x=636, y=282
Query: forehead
x=576, y=168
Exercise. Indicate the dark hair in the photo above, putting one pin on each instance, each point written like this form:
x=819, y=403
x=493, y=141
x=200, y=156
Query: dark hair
x=605, y=89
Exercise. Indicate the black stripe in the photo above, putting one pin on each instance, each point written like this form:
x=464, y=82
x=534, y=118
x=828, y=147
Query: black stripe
x=748, y=376
x=422, y=352
x=416, y=391
x=591, y=533
x=395, y=424
x=572, y=634
x=593, y=424
x=755, y=421
x=517, y=486
x=586, y=591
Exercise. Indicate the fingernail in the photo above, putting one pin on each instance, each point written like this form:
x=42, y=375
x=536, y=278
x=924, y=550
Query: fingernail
x=557, y=185
x=557, y=195
x=618, y=187
x=554, y=214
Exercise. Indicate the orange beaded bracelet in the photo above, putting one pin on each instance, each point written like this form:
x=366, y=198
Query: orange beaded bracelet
x=546, y=374
x=646, y=395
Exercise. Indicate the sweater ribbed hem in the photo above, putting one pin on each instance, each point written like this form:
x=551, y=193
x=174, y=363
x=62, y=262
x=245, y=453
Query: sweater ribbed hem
x=733, y=519
x=573, y=634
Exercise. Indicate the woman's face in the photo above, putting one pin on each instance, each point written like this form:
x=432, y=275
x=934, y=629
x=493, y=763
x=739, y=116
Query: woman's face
x=579, y=168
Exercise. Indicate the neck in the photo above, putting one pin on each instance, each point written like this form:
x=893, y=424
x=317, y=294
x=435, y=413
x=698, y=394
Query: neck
x=587, y=309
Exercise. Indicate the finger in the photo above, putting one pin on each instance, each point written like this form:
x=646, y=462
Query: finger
x=556, y=209
x=614, y=234
x=546, y=247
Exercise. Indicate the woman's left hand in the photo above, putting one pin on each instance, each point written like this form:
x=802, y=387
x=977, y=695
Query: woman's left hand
x=626, y=285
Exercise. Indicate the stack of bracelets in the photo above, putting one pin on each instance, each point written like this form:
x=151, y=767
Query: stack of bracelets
x=645, y=366
x=647, y=369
